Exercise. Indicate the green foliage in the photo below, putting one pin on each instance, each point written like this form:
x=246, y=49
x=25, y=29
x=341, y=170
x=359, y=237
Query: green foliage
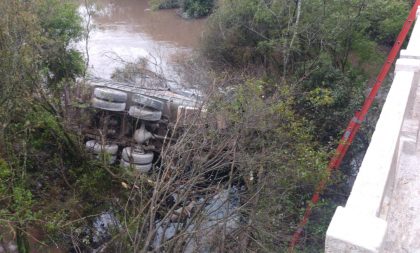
x=22, y=204
x=16, y=200
x=4, y=169
x=274, y=34
x=320, y=97
x=329, y=44
x=45, y=129
x=273, y=135
x=197, y=8
x=19, y=54
x=277, y=144
x=317, y=226
x=317, y=57
x=164, y=4
x=35, y=37
x=329, y=97
x=365, y=49
x=5, y=173
x=60, y=24
x=92, y=180
x=35, y=64
x=386, y=19
x=60, y=21
x=192, y=8
x=238, y=28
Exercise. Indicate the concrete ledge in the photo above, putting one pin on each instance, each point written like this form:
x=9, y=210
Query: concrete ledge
x=418, y=143
x=410, y=54
x=414, y=44
x=412, y=65
x=350, y=231
x=357, y=228
x=368, y=190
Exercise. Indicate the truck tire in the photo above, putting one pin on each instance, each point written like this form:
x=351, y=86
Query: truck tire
x=90, y=145
x=137, y=157
x=96, y=148
x=148, y=102
x=144, y=113
x=142, y=168
x=108, y=106
x=110, y=95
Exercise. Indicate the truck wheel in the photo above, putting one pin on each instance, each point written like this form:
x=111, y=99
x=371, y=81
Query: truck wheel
x=110, y=95
x=144, y=113
x=108, y=106
x=137, y=157
x=148, y=102
x=96, y=147
x=144, y=168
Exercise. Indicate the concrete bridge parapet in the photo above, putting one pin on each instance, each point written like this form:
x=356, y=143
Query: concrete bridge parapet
x=363, y=224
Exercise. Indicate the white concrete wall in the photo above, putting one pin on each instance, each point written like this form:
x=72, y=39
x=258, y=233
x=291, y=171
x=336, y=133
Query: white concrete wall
x=361, y=225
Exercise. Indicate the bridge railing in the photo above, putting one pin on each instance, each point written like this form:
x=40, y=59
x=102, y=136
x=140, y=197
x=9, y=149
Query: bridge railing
x=361, y=225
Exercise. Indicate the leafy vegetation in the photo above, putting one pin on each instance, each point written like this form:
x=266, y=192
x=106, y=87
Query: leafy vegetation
x=192, y=8
x=197, y=8
x=164, y=4
x=319, y=49
x=35, y=61
x=278, y=148
x=320, y=55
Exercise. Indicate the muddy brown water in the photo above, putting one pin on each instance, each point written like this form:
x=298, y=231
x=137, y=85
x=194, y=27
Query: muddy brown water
x=124, y=30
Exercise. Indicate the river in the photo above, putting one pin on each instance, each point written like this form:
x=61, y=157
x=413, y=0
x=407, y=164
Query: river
x=123, y=30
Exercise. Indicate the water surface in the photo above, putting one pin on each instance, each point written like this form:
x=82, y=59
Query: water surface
x=124, y=30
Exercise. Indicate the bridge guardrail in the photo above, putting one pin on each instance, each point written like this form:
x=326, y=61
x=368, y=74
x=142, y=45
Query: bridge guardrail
x=361, y=225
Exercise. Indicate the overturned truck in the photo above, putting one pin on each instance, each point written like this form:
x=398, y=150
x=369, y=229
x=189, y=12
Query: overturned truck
x=130, y=124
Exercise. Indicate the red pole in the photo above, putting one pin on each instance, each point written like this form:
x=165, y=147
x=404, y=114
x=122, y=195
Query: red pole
x=355, y=122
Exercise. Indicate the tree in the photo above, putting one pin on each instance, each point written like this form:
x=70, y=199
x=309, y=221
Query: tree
x=35, y=59
x=60, y=24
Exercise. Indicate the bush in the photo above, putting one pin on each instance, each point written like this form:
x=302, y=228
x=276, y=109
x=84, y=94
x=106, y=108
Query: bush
x=192, y=8
x=277, y=147
x=61, y=24
x=238, y=33
x=386, y=23
x=329, y=97
x=164, y=4
x=272, y=34
x=197, y=8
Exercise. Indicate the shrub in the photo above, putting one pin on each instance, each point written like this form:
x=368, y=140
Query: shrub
x=386, y=23
x=197, y=8
x=164, y=4
x=193, y=8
